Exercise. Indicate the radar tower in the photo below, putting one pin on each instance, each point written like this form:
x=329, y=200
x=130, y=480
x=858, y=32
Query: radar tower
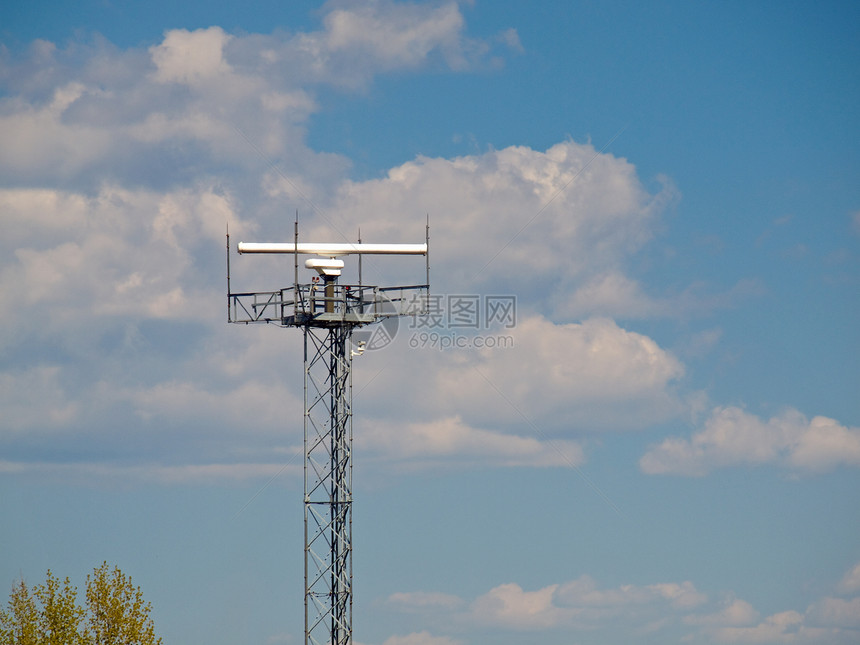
x=327, y=312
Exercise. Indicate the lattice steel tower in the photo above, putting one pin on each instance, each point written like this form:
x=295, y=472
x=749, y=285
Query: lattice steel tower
x=328, y=312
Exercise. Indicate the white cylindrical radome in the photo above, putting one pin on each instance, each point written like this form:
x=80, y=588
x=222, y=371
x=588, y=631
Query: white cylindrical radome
x=333, y=249
x=325, y=266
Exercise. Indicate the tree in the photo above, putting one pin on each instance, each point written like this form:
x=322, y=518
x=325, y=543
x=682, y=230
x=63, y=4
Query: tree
x=60, y=618
x=115, y=613
x=19, y=625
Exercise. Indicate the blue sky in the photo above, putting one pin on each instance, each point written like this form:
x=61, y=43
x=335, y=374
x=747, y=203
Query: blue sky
x=666, y=452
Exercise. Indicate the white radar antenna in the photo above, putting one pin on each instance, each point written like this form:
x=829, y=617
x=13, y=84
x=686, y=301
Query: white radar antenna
x=328, y=311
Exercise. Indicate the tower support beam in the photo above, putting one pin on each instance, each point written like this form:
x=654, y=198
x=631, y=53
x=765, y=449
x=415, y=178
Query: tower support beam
x=328, y=485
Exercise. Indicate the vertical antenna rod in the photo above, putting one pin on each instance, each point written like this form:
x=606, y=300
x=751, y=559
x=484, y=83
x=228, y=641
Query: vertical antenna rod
x=427, y=256
x=228, y=273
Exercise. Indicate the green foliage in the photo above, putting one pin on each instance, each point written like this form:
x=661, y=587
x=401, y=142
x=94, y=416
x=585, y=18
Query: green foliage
x=20, y=624
x=60, y=618
x=115, y=613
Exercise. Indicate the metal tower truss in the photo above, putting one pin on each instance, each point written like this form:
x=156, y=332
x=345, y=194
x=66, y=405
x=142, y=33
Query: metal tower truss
x=328, y=312
x=328, y=485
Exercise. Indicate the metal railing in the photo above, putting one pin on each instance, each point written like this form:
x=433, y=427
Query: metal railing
x=324, y=304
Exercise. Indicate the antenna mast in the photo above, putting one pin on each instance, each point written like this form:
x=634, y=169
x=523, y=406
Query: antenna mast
x=328, y=312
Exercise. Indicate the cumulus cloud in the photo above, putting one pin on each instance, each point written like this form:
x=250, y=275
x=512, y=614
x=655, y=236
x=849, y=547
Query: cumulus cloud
x=570, y=377
x=734, y=613
x=154, y=118
x=578, y=604
x=204, y=100
x=394, y=35
x=827, y=621
x=516, y=218
x=152, y=472
x=557, y=226
x=36, y=140
x=509, y=605
x=123, y=169
x=534, y=402
x=611, y=294
x=731, y=436
x=584, y=592
x=773, y=629
x=119, y=252
x=851, y=581
x=191, y=58
x=183, y=401
x=450, y=441
x=835, y=612
x=678, y=609
x=120, y=323
x=614, y=294
x=424, y=600
x=360, y=40
x=421, y=638
x=98, y=265
x=35, y=398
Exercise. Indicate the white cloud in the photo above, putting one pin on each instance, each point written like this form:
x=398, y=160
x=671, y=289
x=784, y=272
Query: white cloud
x=37, y=141
x=735, y=613
x=732, y=436
x=283, y=638
x=530, y=404
x=187, y=401
x=614, y=294
x=835, y=612
x=611, y=294
x=683, y=595
x=774, y=629
x=93, y=265
x=670, y=608
x=851, y=581
x=191, y=57
x=119, y=253
x=700, y=343
x=396, y=35
x=42, y=215
x=35, y=398
x=578, y=604
x=449, y=440
x=787, y=627
x=508, y=605
x=828, y=620
x=424, y=600
x=202, y=99
x=140, y=140
x=173, y=431
x=159, y=473
x=421, y=638
x=360, y=39
x=824, y=444
x=518, y=219
x=584, y=592
x=570, y=377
